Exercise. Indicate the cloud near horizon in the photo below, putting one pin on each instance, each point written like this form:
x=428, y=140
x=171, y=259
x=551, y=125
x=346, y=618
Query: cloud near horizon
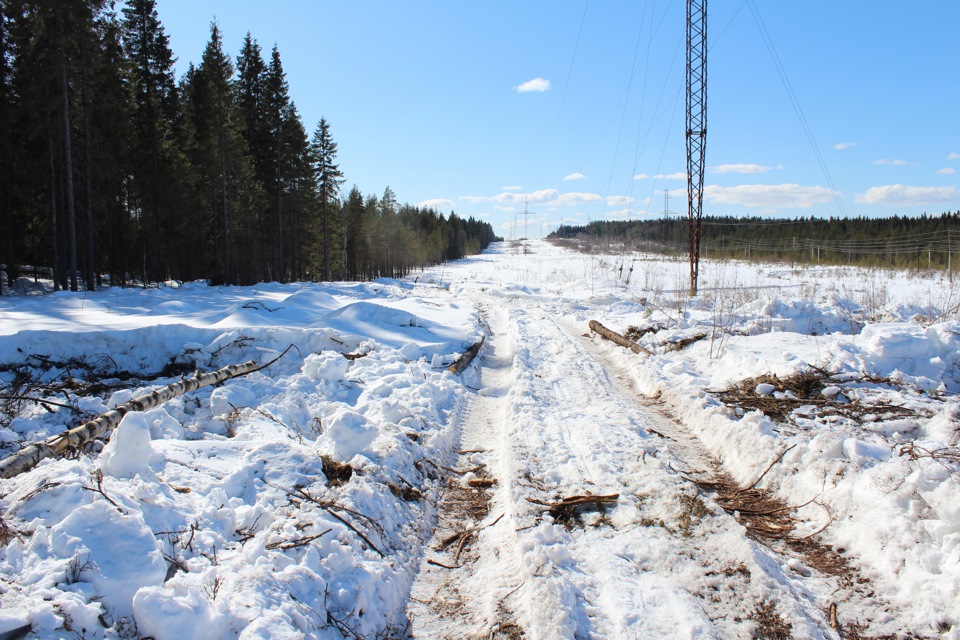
x=740, y=168
x=546, y=197
x=898, y=194
x=576, y=175
x=536, y=85
x=844, y=145
x=437, y=203
x=894, y=163
x=779, y=196
x=946, y=171
x=953, y=156
x=680, y=175
x=619, y=201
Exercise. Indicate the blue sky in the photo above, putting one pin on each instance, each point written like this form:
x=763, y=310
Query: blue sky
x=578, y=107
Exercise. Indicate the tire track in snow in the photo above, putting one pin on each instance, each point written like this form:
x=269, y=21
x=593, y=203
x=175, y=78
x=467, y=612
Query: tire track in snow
x=469, y=601
x=662, y=562
x=828, y=580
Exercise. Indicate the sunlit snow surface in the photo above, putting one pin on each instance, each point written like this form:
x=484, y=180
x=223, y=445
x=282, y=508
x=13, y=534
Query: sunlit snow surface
x=213, y=515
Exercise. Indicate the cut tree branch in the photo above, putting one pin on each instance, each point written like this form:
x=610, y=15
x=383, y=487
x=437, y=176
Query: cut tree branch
x=615, y=337
x=72, y=440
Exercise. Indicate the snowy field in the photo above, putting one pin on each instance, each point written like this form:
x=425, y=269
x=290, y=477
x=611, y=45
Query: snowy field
x=230, y=512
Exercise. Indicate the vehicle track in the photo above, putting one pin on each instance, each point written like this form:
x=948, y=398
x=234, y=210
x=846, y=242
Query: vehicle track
x=662, y=561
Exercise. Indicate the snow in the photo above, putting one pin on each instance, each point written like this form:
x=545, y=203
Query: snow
x=212, y=516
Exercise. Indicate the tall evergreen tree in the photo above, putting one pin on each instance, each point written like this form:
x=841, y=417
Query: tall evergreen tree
x=7, y=108
x=221, y=160
x=329, y=178
x=153, y=88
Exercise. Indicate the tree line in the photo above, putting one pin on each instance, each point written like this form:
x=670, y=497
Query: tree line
x=897, y=241
x=111, y=167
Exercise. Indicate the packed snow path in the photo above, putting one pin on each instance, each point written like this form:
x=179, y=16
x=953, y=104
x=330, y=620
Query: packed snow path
x=548, y=423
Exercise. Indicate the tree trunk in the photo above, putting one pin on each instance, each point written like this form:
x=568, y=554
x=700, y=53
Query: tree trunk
x=464, y=361
x=68, y=161
x=72, y=440
x=613, y=336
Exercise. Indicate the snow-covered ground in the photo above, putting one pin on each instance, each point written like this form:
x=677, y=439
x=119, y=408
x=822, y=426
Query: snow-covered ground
x=220, y=515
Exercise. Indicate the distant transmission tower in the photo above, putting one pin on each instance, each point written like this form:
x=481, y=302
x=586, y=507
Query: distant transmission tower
x=696, y=127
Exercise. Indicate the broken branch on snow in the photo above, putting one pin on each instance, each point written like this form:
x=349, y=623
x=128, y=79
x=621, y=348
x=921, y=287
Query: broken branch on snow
x=73, y=439
x=616, y=338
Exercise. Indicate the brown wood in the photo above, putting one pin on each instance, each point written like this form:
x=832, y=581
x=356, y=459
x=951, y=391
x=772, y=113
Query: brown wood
x=464, y=361
x=615, y=337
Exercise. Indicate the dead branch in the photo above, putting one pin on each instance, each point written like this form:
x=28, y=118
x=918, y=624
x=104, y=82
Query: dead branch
x=297, y=542
x=770, y=466
x=482, y=482
x=440, y=564
x=331, y=508
x=616, y=338
x=74, y=439
x=464, y=361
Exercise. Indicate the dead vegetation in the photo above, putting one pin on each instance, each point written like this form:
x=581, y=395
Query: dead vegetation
x=464, y=505
x=337, y=473
x=568, y=511
x=805, y=390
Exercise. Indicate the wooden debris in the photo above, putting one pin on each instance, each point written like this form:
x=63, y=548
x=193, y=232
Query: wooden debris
x=72, y=440
x=464, y=361
x=482, y=482
x=616, y=338
x=568, y=510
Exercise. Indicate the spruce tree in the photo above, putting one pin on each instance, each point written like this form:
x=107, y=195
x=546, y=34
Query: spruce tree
x=329, y=178
x=154, y=97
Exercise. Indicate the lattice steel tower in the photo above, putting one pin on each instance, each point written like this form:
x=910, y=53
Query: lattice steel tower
x=696, y=126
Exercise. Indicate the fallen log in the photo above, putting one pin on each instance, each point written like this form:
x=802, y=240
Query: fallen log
x=464, y=361
x=72, y=440
x=615, y=337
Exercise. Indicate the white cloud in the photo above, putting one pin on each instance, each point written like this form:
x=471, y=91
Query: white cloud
x=844, y=145
x=779, y=196
x=474, y=199
x=740, y=168
x=946, y=171
x=895, y=163
x=898, y=194
x=953, y=156
x=573, y=199
x=680, y=175
x=574, y=176
x=437, y=203
x=619, y=201
x=512, y=188
x=546, y=197
x=537, y=84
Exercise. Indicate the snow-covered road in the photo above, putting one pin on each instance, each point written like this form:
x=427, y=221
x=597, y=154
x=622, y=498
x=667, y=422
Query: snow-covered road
x=358, y=489
x=663, y=560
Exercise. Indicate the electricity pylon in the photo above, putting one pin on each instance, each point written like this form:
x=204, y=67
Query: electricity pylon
x=696, y=127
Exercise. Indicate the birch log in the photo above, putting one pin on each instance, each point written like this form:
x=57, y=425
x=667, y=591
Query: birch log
x=464, y=360
x=613, y=336
x=72, y=440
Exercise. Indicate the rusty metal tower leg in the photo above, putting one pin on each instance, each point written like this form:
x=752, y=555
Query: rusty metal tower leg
x=696, y=126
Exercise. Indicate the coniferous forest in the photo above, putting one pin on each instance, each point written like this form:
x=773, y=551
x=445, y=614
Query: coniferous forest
x=896, y=242
x=112, y=168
